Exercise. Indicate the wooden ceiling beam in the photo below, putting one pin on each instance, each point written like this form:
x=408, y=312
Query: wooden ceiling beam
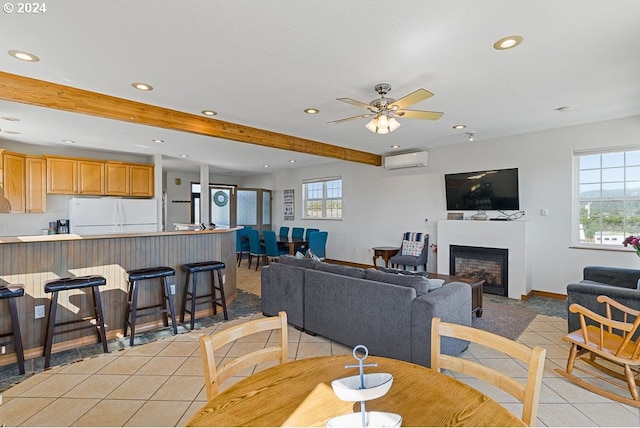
x=51, y=95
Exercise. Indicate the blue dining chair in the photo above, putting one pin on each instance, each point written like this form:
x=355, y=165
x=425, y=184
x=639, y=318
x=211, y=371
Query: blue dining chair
x=284, y=231
x=318, y=244
x=271, y=246
x=308, y=231
x=242, y=244
x=255, y=247
x=297, y=232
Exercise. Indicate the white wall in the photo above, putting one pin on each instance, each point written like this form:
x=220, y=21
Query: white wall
x=380, y=205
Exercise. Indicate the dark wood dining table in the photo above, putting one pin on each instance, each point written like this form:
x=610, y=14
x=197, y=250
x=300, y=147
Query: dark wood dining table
x=299, y=393
x=291, y=243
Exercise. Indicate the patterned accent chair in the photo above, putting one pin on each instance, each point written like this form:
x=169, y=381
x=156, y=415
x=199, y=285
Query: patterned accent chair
x=414, y=251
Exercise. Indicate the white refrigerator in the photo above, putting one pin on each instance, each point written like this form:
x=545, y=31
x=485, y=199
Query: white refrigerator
x=98, y=216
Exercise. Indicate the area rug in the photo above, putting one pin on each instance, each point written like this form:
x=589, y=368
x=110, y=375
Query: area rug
x=509, y=321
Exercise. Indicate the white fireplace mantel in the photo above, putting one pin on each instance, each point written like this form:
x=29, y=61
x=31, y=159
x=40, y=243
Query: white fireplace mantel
x=511, y=235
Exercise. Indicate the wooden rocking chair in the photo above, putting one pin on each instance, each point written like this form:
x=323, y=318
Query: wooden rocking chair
x=608, y=339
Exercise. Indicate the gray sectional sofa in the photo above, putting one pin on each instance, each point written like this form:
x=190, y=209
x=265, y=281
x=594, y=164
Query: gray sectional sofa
x=388, y=313
x=620, y=284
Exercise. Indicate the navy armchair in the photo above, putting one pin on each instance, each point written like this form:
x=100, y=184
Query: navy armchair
x=414, y=251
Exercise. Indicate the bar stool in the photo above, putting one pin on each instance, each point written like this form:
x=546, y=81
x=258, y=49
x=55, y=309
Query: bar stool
x=55, y=286
x=193, y=269
x=11, y=292
x=132, y=310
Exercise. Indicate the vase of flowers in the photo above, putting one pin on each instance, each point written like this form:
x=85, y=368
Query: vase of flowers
x=634, y=241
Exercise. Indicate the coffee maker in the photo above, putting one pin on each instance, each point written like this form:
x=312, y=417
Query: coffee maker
x=63, y=226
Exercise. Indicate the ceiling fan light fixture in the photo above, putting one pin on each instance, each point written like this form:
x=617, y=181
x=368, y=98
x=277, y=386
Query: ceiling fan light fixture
x=393, y=124
x=372, y=124
x=383, y=121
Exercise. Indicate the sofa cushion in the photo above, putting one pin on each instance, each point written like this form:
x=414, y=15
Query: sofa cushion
x=294, y=261
x=351, y=271
x=419, y=283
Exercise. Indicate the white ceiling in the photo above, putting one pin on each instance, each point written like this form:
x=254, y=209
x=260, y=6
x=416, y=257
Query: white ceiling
x=260, y=64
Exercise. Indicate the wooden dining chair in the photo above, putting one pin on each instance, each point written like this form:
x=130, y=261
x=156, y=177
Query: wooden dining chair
x=610, y=339
x=215, y=373
x=528, y=393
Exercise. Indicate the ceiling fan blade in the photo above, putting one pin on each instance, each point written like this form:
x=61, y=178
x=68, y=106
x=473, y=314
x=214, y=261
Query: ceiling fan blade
x=357, y=103
x=419, y=114
x=362, y=116
x=412, y=98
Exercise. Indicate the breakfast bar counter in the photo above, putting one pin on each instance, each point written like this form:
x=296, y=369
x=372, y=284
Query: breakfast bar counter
x=32, y=260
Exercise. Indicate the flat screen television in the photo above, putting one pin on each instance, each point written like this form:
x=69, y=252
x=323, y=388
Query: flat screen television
x=494, y=189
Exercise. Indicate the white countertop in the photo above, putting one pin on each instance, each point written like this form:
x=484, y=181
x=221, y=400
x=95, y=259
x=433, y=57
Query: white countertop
x=72, y=236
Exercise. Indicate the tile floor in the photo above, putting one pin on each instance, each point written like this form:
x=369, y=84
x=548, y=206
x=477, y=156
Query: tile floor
x=160, y=383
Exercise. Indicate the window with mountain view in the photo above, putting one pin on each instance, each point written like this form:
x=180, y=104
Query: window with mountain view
x=608, y=196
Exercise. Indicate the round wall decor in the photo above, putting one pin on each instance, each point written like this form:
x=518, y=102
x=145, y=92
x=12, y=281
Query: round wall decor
x=220, y=198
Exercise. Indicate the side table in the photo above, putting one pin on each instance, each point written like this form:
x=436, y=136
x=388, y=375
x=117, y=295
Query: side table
x=385, y=252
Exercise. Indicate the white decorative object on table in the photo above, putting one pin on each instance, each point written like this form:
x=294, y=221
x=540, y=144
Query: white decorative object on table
x=361, y=388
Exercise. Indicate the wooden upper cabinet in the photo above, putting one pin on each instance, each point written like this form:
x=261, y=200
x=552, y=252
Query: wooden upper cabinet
x=62, y=176
x=36, y=185
x=14, y=181
x=141, y=180
x=117, y=179
x=91, y=178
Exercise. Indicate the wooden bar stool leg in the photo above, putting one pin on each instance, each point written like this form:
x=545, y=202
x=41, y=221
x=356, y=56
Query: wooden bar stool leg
x=213, y=293
x=51, y=323
x=222, y=298
x=134, y=311
x=185, y=297
x=17, y=336
x=97, y=307
x=169, y=299
x=194, y=291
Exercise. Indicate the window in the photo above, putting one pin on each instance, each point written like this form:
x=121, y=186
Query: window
x=322, y=198
x=608, y=189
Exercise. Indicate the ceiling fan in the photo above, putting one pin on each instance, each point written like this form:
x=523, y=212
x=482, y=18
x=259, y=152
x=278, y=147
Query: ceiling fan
x=385, y=110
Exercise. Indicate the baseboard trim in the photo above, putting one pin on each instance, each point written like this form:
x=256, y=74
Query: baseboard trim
x=543, y=294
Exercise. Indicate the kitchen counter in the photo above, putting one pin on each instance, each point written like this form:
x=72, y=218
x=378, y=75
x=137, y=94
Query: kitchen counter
x=73, y=236
x=32, y=260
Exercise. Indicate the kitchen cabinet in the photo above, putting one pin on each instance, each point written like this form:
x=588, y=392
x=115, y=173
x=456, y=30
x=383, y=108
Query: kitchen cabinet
x=117, y=179
x=62, y=176
x=14, y=181
x=141, y=177
x=129, y=180
x=36, y=185
x=91, y=178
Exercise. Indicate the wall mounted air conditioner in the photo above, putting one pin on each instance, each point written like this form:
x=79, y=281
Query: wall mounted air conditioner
x=406, y=160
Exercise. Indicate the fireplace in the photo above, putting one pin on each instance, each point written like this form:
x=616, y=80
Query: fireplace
x=476, y=263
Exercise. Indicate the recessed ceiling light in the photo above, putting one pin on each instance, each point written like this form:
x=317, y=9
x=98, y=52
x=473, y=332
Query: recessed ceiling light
x=11, y=119
x=184, y=156
x=24, y=56
x=459, y=126
x=266, y=166
x=157, y=140
x=68, y=141
x=209, y=112
x=292, y=161
x=507, y=42
x=395, y=146
x=142, y=86
x=311, y=110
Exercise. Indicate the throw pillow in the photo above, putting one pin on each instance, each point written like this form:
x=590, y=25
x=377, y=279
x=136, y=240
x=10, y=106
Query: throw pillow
x=412, y=248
